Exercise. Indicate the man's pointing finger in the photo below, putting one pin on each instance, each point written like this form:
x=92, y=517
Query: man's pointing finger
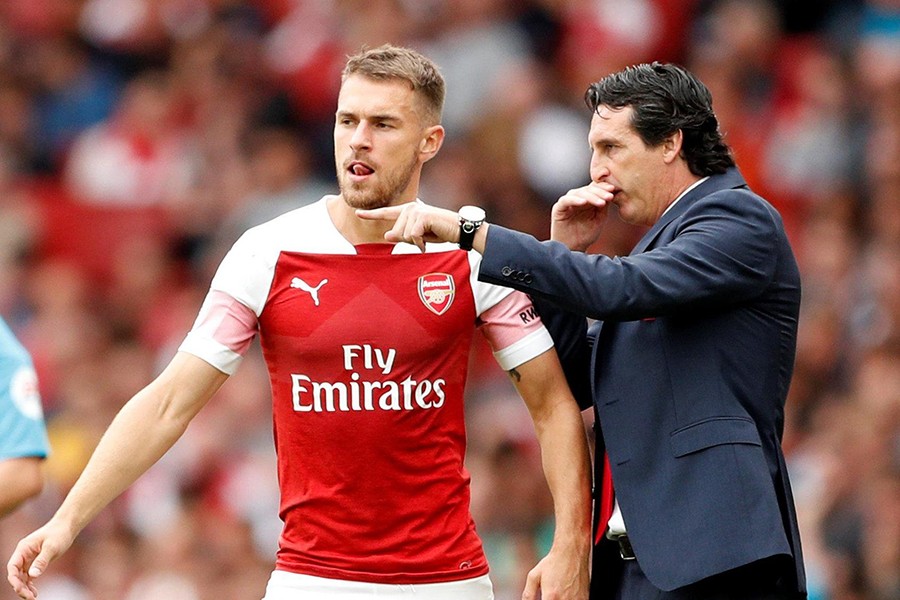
x=388, y=213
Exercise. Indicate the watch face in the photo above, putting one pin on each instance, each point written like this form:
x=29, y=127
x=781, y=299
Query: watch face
x=472, y=213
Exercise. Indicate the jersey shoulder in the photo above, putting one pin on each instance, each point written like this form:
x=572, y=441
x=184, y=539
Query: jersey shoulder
x=305, y=229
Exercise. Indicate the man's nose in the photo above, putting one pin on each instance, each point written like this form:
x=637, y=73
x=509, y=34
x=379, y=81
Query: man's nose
x=360, y=137
x=598, y=173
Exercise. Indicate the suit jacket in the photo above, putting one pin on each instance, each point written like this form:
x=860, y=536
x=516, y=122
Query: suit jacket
x=688, y=367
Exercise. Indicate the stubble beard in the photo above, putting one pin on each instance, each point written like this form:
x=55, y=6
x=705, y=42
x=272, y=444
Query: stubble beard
x=383, y=193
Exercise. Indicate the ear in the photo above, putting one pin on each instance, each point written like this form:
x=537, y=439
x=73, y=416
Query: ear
x=672, y=146
x=431, y=142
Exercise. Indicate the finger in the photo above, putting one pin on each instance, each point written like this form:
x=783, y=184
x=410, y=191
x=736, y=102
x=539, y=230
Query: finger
x=39, y=564
x=22, y=587
x=597, y=197
x=27, y=592
x=415, y=232
x=584, y=196
x=12, y=568
x=532, y=584
x=571, y=200
x=397, y=232
x=602, y=185
x=568, y=208
x=18, y=562
x=386, y=213
x=593, y=190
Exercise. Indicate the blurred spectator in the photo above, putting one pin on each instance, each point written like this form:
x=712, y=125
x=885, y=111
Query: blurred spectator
x=475, y=46
x=280, y=177
x=74, y=93
x=139, y=157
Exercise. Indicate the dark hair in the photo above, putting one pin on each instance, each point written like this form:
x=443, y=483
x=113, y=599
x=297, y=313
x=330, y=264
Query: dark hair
x=665, y=98
x=395, y=62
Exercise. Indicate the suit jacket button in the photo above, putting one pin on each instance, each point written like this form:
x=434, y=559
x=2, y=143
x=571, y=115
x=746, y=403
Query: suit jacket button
x=505, y=271
x=528, y=278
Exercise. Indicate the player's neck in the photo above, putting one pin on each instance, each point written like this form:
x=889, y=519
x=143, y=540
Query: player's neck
x=352, y=228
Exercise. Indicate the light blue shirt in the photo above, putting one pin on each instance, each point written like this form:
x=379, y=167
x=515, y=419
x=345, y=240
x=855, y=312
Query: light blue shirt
x=22, y=430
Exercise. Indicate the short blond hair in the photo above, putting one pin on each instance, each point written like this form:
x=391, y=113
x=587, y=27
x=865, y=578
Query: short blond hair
x=395, y=62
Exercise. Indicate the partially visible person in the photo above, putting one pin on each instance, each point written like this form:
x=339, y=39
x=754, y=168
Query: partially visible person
x=23, y=436
x=367, y=348
x=690, y=359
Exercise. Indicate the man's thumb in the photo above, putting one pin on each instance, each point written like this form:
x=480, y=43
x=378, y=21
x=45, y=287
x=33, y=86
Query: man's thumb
x=39, y=564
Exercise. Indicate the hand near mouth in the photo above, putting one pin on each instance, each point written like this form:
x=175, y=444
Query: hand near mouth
x=578, y=216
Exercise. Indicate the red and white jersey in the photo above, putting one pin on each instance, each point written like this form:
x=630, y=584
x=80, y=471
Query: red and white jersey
x=367, y=350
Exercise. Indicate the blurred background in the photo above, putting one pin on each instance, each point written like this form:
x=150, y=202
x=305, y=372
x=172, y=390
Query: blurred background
x=139, y=138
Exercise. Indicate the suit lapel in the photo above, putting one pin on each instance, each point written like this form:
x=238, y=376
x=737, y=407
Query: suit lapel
x=730, y=179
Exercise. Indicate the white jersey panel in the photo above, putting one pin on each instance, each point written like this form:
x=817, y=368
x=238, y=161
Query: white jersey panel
x=246, y=271
x=487, y=295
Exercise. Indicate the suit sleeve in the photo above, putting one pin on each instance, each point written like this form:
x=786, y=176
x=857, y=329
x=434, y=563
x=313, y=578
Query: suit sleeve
x=720, y=254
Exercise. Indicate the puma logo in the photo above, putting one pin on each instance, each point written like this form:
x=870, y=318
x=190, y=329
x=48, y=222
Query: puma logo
x=298, y=283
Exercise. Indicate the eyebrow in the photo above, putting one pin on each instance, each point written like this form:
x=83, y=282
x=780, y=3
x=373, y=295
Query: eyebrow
x=603, y=141
x=375, y=117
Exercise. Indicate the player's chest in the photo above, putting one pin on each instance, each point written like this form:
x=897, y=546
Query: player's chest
x=369, y=298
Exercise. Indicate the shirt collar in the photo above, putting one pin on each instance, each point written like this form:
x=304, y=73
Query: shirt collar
x=684, y=193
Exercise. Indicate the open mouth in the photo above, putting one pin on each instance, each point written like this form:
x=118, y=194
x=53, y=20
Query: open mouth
x=360, y=169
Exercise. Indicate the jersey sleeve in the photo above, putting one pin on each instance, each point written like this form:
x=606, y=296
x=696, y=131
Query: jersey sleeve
x=22, y=430
x=247, y=270
x=228, y=318
x=486, y=294
x=222, y=332
x=508, y=320
x=514, y=331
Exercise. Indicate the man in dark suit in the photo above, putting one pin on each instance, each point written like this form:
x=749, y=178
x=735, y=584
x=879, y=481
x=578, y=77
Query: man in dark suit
x=690, y=357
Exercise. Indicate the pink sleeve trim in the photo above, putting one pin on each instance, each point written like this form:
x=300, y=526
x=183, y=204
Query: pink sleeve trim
x=226, y=321
x=514, y=330
x=222, y=333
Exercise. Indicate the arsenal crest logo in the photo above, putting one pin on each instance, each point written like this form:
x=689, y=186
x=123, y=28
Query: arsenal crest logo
x=436, y=290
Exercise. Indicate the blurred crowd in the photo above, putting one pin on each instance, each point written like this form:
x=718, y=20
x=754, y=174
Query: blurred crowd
x=139, y=138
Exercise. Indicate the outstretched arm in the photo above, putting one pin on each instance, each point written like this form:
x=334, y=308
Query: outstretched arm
x=576, y=220
x=146, y=427
x=563, y=573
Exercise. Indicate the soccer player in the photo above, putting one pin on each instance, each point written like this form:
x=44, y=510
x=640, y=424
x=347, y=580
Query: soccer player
x=23, y=437
x=366, y=345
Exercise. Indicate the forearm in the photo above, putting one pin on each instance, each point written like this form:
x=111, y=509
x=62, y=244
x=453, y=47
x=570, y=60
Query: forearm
x=564, y=448
x=566, y=463
x=146, y=428
x=20, y=479
x=134, y=441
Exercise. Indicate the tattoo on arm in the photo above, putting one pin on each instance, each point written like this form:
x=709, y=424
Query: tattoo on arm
x=515, y=375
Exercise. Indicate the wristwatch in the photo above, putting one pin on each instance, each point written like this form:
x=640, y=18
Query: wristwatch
x=470, y=219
